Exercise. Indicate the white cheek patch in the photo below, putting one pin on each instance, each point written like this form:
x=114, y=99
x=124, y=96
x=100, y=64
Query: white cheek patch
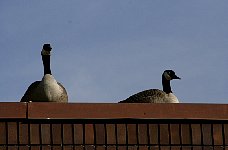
x=44, y=52
x=167, y=76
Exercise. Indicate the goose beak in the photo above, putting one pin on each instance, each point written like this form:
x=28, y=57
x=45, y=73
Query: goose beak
x=176, y=77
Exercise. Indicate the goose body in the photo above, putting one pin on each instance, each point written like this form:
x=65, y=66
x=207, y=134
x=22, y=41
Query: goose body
x=156, y=95
x=48, y=89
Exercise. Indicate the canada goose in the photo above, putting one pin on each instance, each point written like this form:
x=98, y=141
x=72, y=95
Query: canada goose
x=156, y=95
x=48, y=89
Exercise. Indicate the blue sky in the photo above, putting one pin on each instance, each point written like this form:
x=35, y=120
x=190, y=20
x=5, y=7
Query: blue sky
x=106, y=50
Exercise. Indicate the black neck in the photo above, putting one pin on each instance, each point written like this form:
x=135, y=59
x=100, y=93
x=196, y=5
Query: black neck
x=166, y=85
x=46, y=63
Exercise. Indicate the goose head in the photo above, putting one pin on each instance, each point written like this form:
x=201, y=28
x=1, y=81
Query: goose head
x=167, y=76
x=170, y=75
x=46, y=50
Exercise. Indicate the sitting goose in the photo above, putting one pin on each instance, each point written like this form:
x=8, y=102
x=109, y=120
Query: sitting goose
x=48, y=89
x=156, y=95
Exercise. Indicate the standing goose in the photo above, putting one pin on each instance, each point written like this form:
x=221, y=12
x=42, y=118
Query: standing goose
x=48, y=89
x=156, y=95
